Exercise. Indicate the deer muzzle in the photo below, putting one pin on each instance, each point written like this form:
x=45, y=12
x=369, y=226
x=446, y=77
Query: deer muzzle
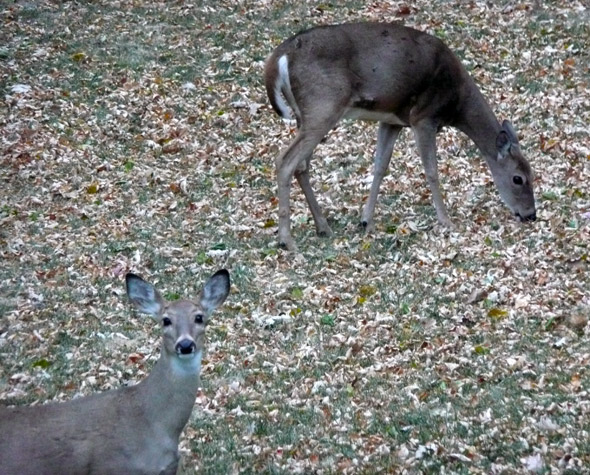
x=186, y=348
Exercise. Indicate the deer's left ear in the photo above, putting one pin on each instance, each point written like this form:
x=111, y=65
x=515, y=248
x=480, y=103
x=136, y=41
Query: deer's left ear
x=506, y=139
x=215, y=291
x=502, y=145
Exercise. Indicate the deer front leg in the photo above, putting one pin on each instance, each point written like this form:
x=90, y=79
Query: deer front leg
x=321, y=223
x=386, y=137
x=425, y=134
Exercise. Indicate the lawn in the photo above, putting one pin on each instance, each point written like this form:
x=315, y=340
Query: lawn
x=136, y=136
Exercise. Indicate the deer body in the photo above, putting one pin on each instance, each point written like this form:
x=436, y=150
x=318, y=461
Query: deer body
x=132, y=430
x=399, y=77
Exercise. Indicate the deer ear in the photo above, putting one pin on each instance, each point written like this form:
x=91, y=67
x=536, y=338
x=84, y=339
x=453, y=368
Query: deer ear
x=144, y=295
x=509, y=129
x=215, y=291
x=506, y=140
x=503, y=145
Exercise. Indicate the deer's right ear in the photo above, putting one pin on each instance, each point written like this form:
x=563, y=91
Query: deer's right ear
x=144, y=295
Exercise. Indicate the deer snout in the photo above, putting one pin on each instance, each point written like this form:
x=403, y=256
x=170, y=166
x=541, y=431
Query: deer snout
x=186, y=347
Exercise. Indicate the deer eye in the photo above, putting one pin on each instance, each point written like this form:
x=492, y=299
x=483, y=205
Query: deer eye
x=166, y=321
x=198, y=318
x=517, y=180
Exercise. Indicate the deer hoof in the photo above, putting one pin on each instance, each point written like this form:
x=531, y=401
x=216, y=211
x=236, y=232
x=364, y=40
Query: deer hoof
x=368, y=227
x=448, y=224
x=287, y=245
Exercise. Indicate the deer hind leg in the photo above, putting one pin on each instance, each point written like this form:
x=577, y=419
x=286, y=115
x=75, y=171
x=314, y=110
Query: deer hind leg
x=321, y=223
x=295, y=157
x=425, y=134
x=386, y=137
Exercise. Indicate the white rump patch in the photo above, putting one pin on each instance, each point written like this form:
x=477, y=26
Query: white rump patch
x=283, y=95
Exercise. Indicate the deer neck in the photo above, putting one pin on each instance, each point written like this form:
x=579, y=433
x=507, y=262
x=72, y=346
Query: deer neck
x=479, y=123
x=169, y=391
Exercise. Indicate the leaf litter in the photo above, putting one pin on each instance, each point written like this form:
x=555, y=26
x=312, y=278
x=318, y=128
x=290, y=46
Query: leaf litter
x=137, y=136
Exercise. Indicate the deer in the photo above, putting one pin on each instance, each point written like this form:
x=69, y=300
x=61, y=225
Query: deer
x=131, y=430
x=399, y=77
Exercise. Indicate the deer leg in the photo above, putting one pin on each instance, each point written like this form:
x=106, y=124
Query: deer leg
x=295, y=155
x=321, y=223
x=425, y=134
x=386, y=137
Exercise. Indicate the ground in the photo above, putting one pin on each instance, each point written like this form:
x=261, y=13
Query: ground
x=136, y=136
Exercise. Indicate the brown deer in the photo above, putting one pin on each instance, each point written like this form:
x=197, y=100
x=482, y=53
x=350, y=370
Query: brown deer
x=131, y=430
x=399, y=77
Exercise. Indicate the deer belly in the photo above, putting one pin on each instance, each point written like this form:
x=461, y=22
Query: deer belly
x=357, y=113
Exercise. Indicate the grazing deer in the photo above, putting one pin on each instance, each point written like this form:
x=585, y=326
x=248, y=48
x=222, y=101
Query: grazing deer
x=131, y=430
x=399, y=77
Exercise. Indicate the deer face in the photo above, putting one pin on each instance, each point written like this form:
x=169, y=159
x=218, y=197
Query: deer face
x=183, y=322
x=513, y=175
x=183, y=325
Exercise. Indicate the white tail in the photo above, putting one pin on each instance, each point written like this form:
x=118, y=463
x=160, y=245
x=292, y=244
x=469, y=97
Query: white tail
x=132, y=430
x=399, y=77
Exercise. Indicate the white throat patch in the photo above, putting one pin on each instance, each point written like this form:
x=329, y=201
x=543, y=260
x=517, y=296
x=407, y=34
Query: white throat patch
x=188, y=365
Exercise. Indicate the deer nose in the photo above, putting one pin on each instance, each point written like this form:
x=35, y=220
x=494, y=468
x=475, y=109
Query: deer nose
x=185, y=347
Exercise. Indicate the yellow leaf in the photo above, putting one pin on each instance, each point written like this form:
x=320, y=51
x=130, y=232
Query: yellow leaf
x=367, y=290
x=79, y=57
x=92, y=189
x=497, y=313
